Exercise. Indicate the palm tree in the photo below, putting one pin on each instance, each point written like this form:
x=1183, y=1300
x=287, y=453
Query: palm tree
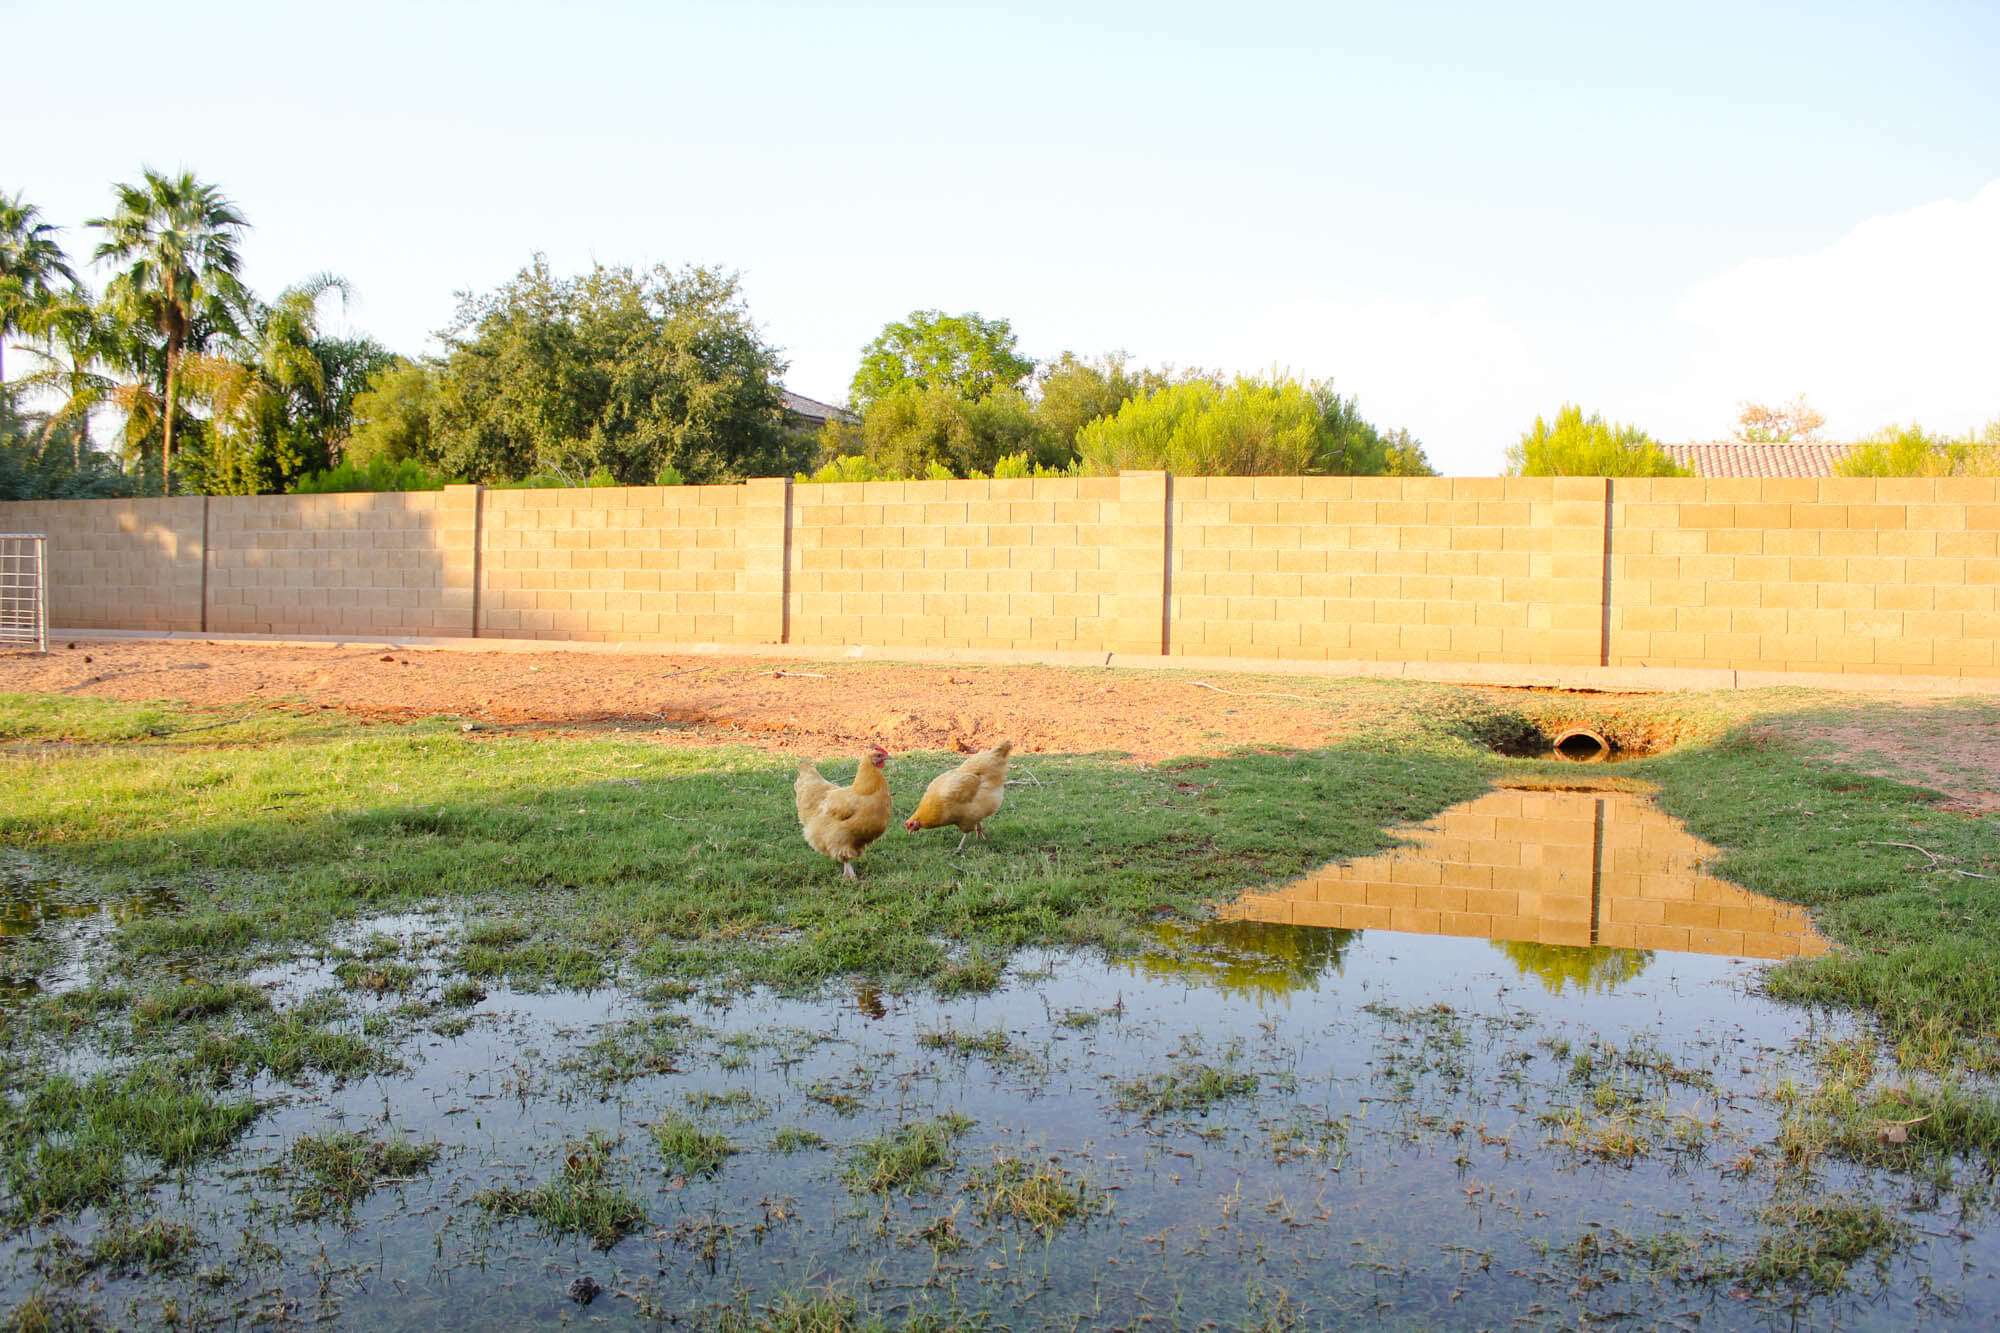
x=176, y=238
x=30, y=262
x=268, y=391
x=78, y=342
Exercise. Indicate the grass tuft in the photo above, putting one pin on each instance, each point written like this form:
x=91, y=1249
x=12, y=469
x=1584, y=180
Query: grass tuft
x=580, y=1201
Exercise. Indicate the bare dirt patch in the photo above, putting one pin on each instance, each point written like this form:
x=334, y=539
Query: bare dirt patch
x=823, y=708
x=1950, y=746
x=790, y=705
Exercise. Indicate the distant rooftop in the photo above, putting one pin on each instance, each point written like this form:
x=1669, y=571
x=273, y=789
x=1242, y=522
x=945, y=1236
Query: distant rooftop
x=1734, y=458
x=812, y=409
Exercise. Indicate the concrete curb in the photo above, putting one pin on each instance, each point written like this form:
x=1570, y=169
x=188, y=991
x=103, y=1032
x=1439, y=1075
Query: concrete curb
x=1623, y=680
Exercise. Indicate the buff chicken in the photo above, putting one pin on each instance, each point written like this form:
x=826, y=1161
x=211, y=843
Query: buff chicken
x=840, y=822
x=966, y=797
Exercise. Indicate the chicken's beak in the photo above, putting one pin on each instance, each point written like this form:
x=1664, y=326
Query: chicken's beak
x=910, y=824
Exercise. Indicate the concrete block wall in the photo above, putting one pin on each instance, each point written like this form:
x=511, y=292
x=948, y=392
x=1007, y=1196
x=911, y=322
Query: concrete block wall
x=1875, y=577
x=353, y=564
x=1389, y=569
x=1885, y=577
x=1027, y=564
x=118, y=564
x=647, y=563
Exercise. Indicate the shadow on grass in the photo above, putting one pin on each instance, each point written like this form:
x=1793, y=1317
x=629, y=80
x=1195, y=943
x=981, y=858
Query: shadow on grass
x=571, y=858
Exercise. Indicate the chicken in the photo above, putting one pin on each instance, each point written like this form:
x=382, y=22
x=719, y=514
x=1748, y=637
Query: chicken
x=967, y=796
x=840, y=822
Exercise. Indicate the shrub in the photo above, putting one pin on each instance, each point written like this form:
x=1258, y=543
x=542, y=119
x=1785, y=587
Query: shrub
x=376, y=475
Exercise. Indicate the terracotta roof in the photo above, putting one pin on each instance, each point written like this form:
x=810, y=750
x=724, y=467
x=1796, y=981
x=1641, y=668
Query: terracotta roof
x=813, y=409
x=1734, y=458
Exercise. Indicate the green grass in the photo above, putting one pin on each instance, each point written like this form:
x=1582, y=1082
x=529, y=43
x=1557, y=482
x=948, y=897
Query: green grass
x=908, y=1158
x=1815, y=1242
x=123, y=1249
x=1038, y=1194
x=688, y=1148
x=1924, y=939
x=579, y=857
x=337, y=1171
x=581, y=1200
x=65, y=1143
x=1186, y=1087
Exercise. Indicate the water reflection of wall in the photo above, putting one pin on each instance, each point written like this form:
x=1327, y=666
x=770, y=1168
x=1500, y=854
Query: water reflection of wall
x=1551, y=867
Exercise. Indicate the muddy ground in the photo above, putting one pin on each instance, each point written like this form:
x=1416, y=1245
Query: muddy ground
x=816, y=708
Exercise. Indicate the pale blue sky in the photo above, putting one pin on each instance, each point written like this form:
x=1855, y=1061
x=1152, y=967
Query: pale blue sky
x=1464, y=214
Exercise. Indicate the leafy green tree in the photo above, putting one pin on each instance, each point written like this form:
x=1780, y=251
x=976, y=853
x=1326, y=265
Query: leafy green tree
x=1404, y=455
x=175, y=238
x=1912, y=451
x=970, y=356
x=916, y=431
x=614, y=370
x=33, y=270
x=392, y=416
x=1579, y=446
x=1251, y=427
x=280, y=397
x=1072, y=392
x=1248, y=427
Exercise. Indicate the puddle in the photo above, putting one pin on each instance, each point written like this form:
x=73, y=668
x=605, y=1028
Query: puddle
x=1412, y=1137
x=47, y=924
x=1601, y=868
x=1391, y=1120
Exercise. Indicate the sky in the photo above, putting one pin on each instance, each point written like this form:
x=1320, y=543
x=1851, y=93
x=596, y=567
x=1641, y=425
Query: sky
x=1463, y=214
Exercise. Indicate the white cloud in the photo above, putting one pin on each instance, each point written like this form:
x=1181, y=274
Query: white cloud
x=1898, y=320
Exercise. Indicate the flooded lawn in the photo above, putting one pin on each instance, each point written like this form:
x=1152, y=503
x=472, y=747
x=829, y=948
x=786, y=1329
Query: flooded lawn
x=1517, y=1074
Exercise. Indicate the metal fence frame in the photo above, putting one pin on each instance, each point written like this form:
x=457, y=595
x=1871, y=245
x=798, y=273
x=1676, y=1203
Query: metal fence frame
x=24, y=590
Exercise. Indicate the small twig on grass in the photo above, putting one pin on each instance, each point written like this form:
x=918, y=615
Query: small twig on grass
x=796, y=675
x=1252, y=694
x=1937, y=862
x=1027, y=778
x=684, y=671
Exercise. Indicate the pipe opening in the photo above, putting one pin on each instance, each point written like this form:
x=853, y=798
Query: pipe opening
x=1581, y=745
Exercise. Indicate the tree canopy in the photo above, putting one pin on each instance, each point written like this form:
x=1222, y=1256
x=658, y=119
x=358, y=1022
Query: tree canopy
x=624, y=371
x=175, y=239
x=1247, y=427
x=1912, y=451
x=1578, y=446
x=33, y=269
x=966, y=355
x=1787, y=422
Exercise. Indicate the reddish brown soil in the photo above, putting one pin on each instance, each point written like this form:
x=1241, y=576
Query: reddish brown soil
x=828, y=708
x=802, y=706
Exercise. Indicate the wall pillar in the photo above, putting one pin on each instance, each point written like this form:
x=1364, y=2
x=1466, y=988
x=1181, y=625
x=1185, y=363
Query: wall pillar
x=766, y=542
x=1140, y=537
x=460, y=538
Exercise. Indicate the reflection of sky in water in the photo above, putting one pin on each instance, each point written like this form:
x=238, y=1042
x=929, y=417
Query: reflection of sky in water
x=1396, y=1137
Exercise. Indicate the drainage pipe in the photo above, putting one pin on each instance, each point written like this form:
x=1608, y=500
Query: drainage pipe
x=1582, y=745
